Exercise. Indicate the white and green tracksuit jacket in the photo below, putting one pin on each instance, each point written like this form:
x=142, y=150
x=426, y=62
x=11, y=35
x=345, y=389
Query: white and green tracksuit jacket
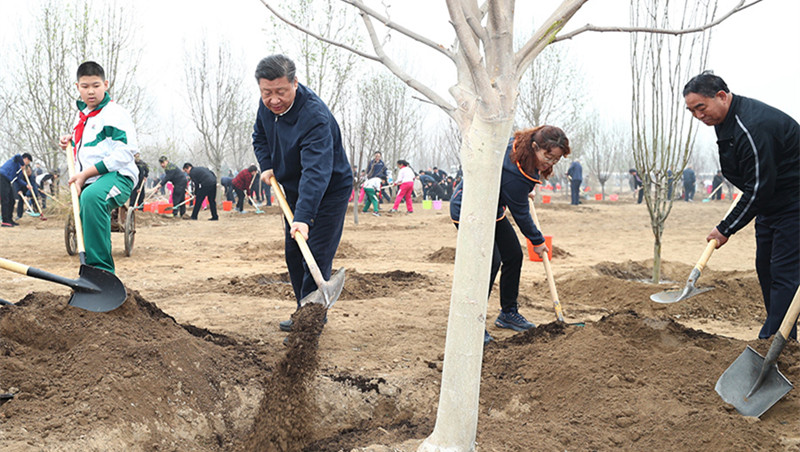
x=108, y=142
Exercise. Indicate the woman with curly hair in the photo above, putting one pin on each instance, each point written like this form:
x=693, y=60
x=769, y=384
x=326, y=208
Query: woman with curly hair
x=529, y=158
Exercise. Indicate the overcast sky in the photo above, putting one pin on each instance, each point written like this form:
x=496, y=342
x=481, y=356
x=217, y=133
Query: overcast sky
x=755, y=51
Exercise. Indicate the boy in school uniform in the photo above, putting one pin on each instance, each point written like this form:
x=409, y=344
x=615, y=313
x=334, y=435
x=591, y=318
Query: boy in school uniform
x=104, y=141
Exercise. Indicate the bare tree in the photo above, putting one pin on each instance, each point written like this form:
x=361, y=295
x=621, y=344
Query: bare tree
x=663, y=135
x=327, y=69
x=216, y=99
x=605, y=147
x=41, y=93
x=552, y=91
x=483, y=104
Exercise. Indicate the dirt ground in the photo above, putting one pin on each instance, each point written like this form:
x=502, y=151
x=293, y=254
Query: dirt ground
x=194, y=359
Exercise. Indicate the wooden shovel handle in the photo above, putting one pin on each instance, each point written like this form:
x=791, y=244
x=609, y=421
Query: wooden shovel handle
x=313, y=268
x=548, y=270
x=15, y=267
x=76, y=207
x=791, y=315
x=712, y=245
x=33, y=194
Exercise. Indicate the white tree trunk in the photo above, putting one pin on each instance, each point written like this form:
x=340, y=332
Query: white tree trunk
x=457, y=416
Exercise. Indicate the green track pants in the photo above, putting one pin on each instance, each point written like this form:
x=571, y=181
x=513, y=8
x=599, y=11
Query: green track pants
x=98, y=199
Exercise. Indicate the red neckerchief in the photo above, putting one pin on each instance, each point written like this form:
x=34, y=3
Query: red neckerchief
x=77, y=134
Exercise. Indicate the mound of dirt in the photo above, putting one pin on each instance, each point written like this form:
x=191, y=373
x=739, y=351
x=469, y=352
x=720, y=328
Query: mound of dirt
x=560, y=253
x=626, y=382
x=129, y=379
x=260, y=251
x=444, y=255
x=629, y=270
x=361, y=286
x=266, y=285
x=619, y=287
x=346, y=250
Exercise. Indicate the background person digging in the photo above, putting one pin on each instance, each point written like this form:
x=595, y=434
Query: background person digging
x=179, y=182
x=9, y=172
x=759, y=153
x=297, y=140
x=205, y=182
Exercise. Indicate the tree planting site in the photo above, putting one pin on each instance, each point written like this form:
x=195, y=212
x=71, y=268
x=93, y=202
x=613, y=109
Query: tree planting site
x=194, y=359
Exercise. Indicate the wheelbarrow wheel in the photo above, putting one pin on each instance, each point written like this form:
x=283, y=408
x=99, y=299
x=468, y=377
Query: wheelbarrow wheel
x=130, y=231
x=70, y=239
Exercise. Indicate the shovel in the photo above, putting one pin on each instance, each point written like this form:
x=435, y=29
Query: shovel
x=752, y=384
x=96, y=289
x=327, y=291
x=675, y=295
x=28, y=209
x=35, y=198
x=549, y=271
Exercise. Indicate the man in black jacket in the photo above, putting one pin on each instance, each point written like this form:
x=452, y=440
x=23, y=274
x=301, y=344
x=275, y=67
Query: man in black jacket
x=178, y=179
x=759, y=153
x=205, y=187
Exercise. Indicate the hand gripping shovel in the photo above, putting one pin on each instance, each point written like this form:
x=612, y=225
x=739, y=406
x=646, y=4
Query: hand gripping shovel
x=752, y=384
x=327, y=291
x=673, y=296
x=96, y=289
x=549, y=271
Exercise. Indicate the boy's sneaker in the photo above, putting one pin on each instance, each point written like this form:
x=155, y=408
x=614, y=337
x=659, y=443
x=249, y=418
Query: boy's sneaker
x=392, y=210
x=8, y=225
x=513, y=320
x=486, y=338
x=376, y=214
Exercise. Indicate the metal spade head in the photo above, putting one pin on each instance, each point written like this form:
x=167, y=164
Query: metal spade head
x=97, y=290
x=327, y=293
x=737, y=381
x=675, y=295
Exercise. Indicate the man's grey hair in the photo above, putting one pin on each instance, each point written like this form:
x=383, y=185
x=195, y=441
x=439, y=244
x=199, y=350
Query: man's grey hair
x=276, y=66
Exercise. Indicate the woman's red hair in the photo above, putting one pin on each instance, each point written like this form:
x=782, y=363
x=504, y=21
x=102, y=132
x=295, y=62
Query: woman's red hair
x=527, y=141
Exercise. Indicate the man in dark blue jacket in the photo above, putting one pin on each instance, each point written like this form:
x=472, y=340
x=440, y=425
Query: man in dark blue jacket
x=297, y=139
x=9, y=172
x=575, y=175
x=759, y=153
x=689, y=181
x=376, y=168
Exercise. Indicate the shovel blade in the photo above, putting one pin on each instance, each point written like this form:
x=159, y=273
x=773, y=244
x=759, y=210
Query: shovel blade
x=97, y=290
x=327, y=293
x=734, y=384
x=673, y=296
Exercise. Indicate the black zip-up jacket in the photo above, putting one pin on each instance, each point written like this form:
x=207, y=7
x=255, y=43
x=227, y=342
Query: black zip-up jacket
x=759, y=153
x=202, y=177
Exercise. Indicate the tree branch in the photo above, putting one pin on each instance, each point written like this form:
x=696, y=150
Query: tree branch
x=546, y=34
x=386, y=21
x=589, y=27
x=469, y=48
x=317, y=36
x=399, y=72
